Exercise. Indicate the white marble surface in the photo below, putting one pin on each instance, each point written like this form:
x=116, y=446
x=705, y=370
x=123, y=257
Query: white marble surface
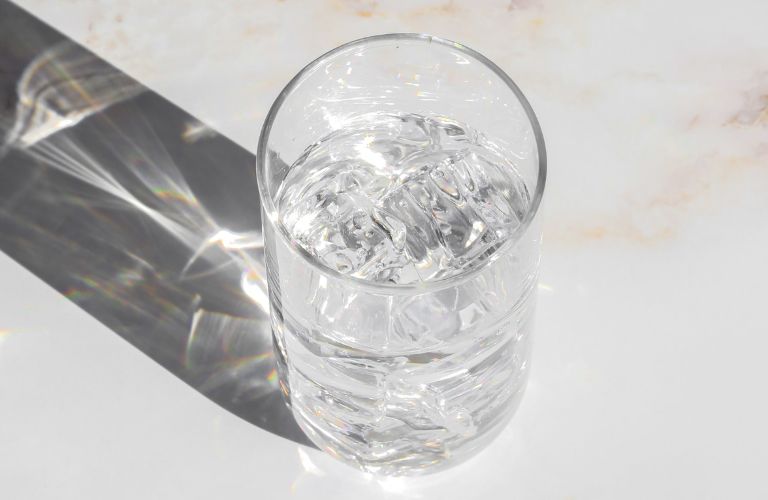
x=648, y=380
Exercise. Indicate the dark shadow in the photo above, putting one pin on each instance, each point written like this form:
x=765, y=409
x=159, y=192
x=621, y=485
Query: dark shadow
x=140, y=214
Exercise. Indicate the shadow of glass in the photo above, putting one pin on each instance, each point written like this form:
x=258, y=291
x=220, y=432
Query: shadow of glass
x=143, y=216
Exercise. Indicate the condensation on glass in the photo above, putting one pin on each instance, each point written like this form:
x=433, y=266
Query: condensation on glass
x=408, y=361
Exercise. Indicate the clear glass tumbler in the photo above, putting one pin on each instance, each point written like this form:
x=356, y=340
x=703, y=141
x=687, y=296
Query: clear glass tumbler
x=402, y=377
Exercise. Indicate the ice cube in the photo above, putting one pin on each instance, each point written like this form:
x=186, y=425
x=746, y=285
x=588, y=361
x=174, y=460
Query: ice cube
x=402, y=198
x=492, y=191
x=422, y=238
x=444, y=231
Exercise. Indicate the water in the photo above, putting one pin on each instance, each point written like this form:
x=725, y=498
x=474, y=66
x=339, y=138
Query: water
x=401, y=382
x=402, y=198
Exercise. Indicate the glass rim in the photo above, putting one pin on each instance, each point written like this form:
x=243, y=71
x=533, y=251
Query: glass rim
x=420, y=286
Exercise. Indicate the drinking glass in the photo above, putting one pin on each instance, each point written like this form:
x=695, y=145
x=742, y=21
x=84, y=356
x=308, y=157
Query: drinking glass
x=402, y=378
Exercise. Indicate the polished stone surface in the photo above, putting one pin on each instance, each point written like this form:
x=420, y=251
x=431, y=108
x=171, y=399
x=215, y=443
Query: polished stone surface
x=648, y=369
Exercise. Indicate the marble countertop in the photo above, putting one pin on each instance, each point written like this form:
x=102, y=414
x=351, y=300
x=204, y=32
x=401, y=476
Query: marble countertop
x=648, y=373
